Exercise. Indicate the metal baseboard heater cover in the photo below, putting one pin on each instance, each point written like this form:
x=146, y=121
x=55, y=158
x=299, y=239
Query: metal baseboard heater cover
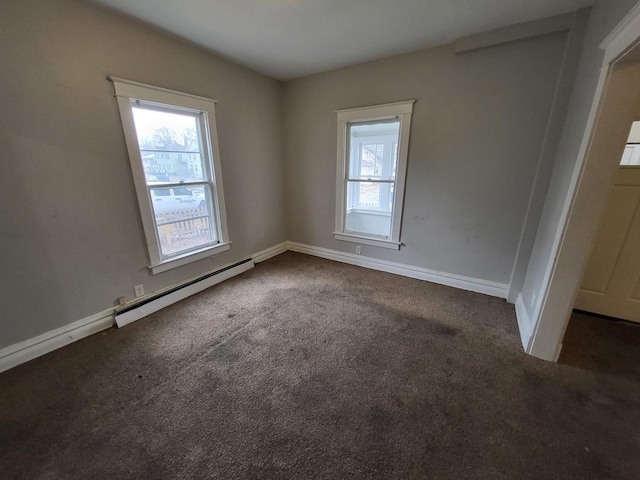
x=130, y=313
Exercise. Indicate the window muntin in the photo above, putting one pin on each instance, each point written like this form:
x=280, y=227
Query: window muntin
x=172, y=143
x=370, y=173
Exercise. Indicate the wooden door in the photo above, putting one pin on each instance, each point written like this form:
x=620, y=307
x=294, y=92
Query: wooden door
x=611, y=285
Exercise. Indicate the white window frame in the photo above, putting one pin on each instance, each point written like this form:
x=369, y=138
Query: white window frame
x=127, y=92
x=401, y=111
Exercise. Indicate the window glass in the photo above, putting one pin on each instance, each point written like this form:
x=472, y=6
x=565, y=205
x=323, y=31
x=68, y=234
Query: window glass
x=631, y=155
x=371, y=158
x=369, y=196
x=170, y=145
x=373, y=148
x=182, y=191
x=183, y=223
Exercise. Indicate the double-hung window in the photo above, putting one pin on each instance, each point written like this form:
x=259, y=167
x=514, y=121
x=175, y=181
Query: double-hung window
x=373, y=143
x=173, y=150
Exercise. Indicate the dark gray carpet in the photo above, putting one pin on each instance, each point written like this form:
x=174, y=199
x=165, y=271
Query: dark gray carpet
x=603, y=345
x=306, y=368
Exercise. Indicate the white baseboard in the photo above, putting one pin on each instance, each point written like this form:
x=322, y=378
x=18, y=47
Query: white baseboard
x=22, y=352
x=524, y=323
x=140, y=311
x=267, y=253
x=35, y=347
x=464, y=283
x=557, y=354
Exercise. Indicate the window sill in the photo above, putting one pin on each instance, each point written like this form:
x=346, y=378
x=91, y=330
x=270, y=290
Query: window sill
x=189, y=257
x=374, y=242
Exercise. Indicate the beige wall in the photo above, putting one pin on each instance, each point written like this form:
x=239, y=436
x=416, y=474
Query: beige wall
x=71, y=239
x=477, y=133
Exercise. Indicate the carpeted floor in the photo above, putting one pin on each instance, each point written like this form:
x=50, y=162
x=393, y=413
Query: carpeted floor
x=603, y=345
x=307, y=368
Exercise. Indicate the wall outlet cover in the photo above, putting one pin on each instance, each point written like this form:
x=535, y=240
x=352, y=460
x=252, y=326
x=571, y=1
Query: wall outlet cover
x=139, y=290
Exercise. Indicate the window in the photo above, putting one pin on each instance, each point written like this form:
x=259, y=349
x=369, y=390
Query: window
x=372, y=161
x=173, y=149
x=631, y=156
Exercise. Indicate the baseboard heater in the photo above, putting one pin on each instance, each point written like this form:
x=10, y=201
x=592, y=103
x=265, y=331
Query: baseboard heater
x=130, y=313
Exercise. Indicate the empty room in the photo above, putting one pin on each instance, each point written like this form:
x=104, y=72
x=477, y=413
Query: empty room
x=320, y=239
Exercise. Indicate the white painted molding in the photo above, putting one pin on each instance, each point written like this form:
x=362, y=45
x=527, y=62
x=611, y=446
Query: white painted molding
x=35, y=347
x=464, y=283
x=387, y=110
x=557, y=354
x=27, y=350
x=623, y=37
x=374, y=242
x=129, y=88
x=512, y=33
x=181, y=293
x=267, y=253
x=524, y=323
x=22, y=352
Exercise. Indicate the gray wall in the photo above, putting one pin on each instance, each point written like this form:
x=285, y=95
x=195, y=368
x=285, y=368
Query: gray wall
x=70, y=238
x=476, y=138
x=605, y=15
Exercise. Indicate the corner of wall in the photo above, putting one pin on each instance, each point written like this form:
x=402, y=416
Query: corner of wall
x=549, y=149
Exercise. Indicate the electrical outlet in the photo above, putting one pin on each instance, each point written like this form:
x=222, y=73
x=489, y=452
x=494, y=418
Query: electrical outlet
x=139, y=290
x=358, y=249
x=122, y=300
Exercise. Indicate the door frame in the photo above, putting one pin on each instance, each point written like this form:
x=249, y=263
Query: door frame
x=581, y=210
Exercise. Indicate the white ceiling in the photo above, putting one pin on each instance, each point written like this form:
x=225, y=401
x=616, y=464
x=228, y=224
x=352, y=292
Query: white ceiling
x=287, y=39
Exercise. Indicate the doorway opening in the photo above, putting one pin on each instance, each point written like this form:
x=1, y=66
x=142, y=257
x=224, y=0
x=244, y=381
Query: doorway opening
x=616, y=105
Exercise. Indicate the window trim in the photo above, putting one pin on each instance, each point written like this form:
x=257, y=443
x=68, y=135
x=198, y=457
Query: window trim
x=125, y=92
x=401, y=111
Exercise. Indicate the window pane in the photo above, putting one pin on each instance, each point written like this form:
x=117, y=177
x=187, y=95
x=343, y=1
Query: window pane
x=373, y=151
x=371, y=157
x=370, y=196
x=368, y=223
x=170, y=145
x=183, y=218
x=631, y=155
x=369, y=208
